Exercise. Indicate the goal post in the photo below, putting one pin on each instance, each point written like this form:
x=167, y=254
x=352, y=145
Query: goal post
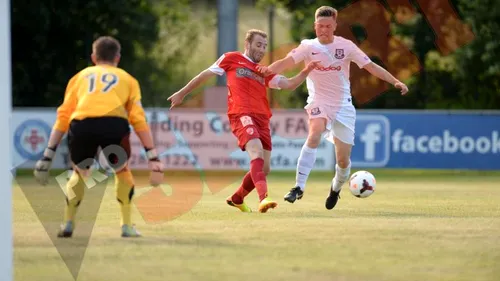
x=6, y=241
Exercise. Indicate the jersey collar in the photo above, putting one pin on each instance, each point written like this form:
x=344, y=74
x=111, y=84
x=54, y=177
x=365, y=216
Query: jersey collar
x=248, y=58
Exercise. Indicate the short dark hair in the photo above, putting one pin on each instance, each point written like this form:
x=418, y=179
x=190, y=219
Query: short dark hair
x=326, y=11
x=251, y=34
x=106, y=48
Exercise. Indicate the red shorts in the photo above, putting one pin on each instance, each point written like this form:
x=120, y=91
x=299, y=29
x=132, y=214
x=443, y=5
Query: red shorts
x=251, y=126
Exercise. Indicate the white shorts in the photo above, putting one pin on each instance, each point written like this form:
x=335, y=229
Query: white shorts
x=340, y=120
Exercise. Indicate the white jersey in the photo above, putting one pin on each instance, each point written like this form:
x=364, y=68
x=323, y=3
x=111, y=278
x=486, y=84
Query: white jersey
x=329, y=83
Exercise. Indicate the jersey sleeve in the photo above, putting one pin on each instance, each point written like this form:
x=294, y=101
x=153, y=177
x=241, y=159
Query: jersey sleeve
x=358, y=56
x=300, y=53
x=221, y=65
x=274, y=81
x=66, y=109
x=136, y=114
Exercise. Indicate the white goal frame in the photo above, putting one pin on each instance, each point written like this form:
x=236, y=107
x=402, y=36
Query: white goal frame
x=6, y=241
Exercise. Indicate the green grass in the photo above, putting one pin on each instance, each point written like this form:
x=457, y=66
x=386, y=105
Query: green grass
x=416, y=226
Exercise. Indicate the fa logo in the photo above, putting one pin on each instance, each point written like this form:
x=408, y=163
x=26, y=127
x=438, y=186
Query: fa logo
x=372, y=141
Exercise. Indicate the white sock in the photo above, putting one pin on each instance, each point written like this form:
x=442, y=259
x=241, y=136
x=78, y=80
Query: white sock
x=304, y=165
x=341, y=176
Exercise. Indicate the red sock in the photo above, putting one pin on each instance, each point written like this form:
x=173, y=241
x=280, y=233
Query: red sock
x=245, y=188
x=258, y=177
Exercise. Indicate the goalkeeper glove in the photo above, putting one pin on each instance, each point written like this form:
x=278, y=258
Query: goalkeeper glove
x=156, y=167
x=43, y=165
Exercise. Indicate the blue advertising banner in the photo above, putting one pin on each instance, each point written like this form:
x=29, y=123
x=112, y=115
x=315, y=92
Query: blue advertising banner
x=434, y=140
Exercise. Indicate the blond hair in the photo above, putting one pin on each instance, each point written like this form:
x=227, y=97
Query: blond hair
x=326, y=11
x=251, y=34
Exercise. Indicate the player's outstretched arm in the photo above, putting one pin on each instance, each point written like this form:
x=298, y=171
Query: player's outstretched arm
x=199, y=79
x=278, y=66
x=294, y=82
x=282, y=65
x=383, y=74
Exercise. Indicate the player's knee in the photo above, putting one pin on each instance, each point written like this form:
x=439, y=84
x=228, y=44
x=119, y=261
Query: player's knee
x=255, y=149
x=83, y=172
x=316, y=129
x=317, y=126
x=343, y=162
x=267, y=169
x=125, y=198
x=84, y=168
x=313, y=139
x=124, y=186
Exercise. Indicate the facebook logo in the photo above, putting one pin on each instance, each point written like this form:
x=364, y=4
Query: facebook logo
x=372, y=141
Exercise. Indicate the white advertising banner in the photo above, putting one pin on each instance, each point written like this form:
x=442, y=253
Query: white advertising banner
x=30, y=134
x=186, y=140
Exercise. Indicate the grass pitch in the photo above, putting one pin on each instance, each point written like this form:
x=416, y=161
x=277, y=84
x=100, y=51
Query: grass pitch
x=416, y=226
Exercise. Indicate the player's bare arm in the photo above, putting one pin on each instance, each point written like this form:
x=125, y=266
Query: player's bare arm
x=383, y=74
x=155, y=165
x=278, y=66
x=199, y=79
x=54, y=141
x=137, y=118
x=294, y=82
x=55, y=138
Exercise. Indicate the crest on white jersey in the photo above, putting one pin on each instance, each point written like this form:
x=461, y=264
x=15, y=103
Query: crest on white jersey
x=339, y=54
x=315, y=111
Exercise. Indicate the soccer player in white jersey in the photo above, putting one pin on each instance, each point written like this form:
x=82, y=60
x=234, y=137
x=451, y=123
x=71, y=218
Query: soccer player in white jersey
x=329, y=104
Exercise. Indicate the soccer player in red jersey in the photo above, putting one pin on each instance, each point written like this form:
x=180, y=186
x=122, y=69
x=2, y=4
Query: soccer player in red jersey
x=248, y=110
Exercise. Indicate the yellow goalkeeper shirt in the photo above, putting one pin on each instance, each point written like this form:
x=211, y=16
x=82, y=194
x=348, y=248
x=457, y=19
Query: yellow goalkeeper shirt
x=102, y=91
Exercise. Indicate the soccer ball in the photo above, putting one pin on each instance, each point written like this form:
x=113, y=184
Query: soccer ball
x=362, y=184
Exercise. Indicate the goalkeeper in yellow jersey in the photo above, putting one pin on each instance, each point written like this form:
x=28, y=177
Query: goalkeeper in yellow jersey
x=99, y=105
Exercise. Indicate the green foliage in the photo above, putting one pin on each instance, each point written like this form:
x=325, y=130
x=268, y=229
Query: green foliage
x=478, y=64
x=468, y=78
x=52, y=41
x=178, y=38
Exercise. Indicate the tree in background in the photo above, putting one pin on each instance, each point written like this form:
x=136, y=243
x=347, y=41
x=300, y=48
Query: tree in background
x=477, y=65
x=51, y=41
x=178, y=38
x=446, y=63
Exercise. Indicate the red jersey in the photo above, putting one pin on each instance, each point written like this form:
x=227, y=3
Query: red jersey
x=246, y=85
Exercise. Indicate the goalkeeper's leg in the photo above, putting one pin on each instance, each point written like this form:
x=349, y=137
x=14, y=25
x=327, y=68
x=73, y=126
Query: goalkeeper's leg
x=75, y=189
x=116, y=150
x=124, y=188
x=82, y=149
